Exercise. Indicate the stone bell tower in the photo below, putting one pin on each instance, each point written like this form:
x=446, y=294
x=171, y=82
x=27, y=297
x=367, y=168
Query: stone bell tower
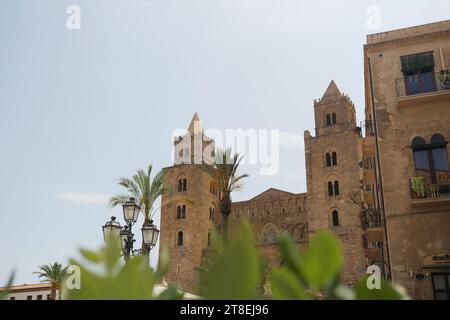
x=187, y=207
x=332, y=171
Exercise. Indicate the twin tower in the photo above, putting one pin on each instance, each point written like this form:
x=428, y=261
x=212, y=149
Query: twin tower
x=190, y=211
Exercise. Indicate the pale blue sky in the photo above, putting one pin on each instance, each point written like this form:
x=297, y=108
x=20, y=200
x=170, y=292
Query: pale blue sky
x=80, y=108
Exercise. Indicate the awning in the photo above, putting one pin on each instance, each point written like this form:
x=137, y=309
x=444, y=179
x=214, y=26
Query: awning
x=417, y=62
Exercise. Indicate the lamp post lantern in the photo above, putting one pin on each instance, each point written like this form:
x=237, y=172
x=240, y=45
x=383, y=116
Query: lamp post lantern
x=113, y=230
x=150, y=234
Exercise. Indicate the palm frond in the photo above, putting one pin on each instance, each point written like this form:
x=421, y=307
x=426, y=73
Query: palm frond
x=118, y=200
x=142, y=187
x=131, y=185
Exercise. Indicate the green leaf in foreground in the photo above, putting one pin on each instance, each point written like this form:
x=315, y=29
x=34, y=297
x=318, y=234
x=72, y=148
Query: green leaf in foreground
x=3, y=294
x=322, y=260
x=285, y=285
x=387, y=291
x=235, y=272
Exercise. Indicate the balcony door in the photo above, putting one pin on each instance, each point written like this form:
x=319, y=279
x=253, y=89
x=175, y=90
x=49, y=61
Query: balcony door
x=418, y=72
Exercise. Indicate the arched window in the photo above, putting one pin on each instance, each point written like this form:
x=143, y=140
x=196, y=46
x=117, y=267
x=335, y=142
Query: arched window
x=211, y=214
x=328, y=120
x=335, y=218
x=182, y=185
x=328, y=160
x=269, y=233
x=418, y=141
x=437, y=139
x=336, y=188
x=181, y=212
x=299, y=232
x=333, y=118
x=333, y=188
x=431, y=162
x=330, y=188
x=180, y=238
x=334, y=159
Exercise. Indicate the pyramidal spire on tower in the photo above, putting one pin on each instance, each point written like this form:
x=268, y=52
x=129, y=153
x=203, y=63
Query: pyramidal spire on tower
x=332, y=91
x=196, y=124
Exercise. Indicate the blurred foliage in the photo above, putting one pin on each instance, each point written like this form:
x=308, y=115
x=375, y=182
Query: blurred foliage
x=116, y=280
x=233, y=271
x=314, y=273
x=4, y=294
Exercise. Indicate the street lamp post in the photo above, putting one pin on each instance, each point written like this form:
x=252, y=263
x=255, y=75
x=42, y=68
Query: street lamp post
x=113, y=231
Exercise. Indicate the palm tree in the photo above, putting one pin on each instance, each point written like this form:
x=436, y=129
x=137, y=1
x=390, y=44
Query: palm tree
x=53, y=274
x=224, y=173
x=143, y=188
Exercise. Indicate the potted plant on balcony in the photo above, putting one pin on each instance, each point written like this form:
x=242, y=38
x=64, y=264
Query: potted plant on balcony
x=418, y=186
x=434, y=190
x=444, y=77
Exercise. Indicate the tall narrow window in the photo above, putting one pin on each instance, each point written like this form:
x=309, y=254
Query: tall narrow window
x=333, y=118
x=330, y=188
x=181, y=212
x=209, y=239
x=180, y=238
x=181, y=185
x=328, y=160
x=335, y=218
x=336, y=188
x=328, y=120
x=334, y=159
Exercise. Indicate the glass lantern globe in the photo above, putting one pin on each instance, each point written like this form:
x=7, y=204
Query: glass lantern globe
x=111, y=230
x=124, y=233
x=150, y=233
x=131, y=211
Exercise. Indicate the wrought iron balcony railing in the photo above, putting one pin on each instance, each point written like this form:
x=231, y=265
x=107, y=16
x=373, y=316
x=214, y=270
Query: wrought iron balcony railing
x=425, y=187
x=422, y=83
x=370, y=218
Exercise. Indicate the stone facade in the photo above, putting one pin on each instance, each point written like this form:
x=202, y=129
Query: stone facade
x=407, y=236
x=413, y=228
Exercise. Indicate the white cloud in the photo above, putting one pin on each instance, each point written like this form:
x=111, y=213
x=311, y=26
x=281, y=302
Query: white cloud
x=85, y=198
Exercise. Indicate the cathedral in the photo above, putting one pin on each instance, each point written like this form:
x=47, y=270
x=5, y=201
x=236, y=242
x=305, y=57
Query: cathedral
x=362, y=179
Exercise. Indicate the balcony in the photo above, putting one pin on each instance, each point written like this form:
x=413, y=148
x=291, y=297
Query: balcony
x=371, y=224
x=422, y=83
x=426, y=87
x=425, y=191
x=370, y=218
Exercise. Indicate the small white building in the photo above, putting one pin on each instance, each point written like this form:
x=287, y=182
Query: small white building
x=42, y=291
x=39, y=291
